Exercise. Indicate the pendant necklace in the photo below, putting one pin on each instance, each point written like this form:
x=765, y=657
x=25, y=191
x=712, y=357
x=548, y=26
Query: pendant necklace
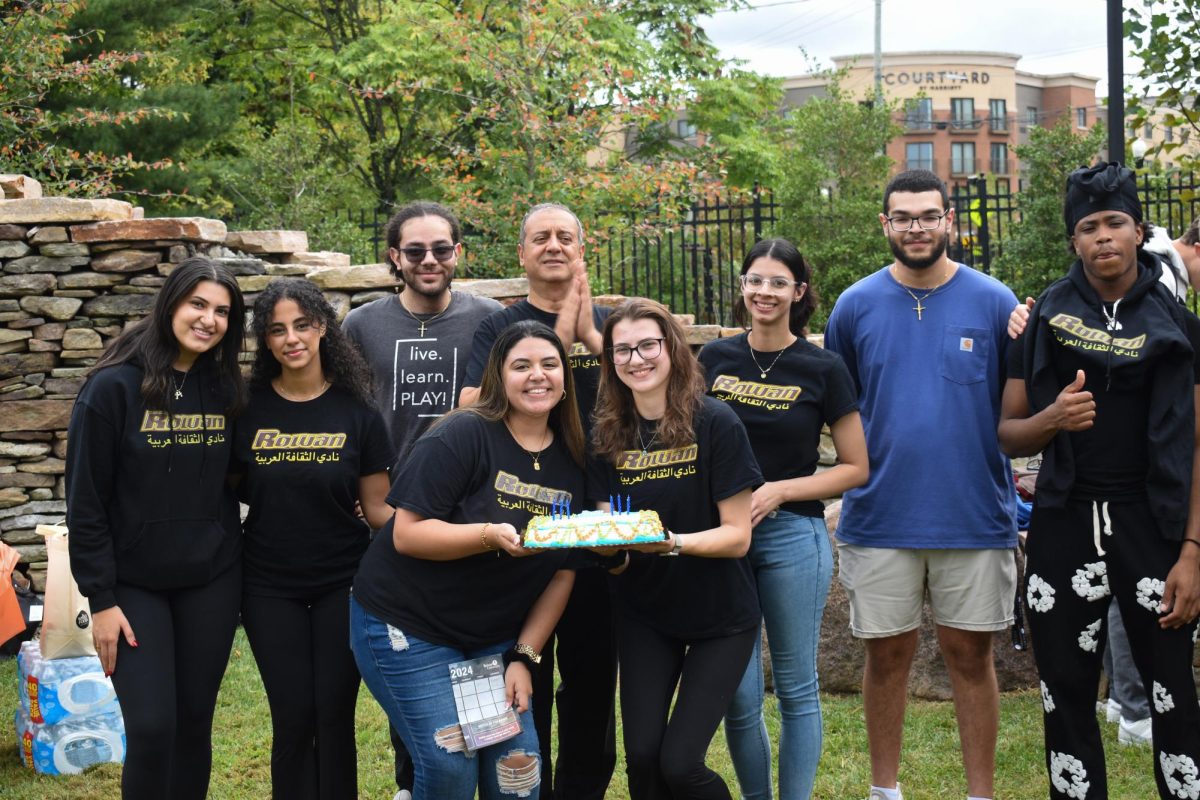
x=424, y=322
x=536, y=456
x=179, y=386
x=646, y=445
x=920, y=309
x=762, y=373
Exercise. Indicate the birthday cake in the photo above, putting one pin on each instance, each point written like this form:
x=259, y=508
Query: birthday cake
x=594, y=529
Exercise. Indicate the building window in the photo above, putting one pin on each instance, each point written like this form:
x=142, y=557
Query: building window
x=918, y=155
x=962, y=112
x=1147, y=131
x=1168, y=135
x=1184, y=135
x=920, y=114
x=685, y=129
x=998, y=115
x=962, y=158
x=999, y=158
x=1081, y=118
x=1031, y=115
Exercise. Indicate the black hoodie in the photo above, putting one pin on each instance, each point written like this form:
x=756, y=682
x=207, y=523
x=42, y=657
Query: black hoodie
x=147, y=499
x=1152, y=346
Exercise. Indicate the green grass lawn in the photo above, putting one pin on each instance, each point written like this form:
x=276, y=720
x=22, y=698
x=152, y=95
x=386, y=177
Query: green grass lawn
x=931, y=767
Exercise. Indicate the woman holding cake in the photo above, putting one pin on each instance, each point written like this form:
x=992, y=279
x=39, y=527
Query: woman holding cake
x=450, y=581
x=784, y=390
x=687, y=608
x=309, y=446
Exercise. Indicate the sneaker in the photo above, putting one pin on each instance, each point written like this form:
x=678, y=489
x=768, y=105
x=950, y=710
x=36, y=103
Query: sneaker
x=403, y=794
x=1136, y=733
x=878, y=795
x=1111, y=709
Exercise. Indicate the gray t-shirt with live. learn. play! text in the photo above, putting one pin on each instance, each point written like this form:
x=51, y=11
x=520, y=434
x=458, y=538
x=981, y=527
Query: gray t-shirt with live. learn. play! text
x=417, y=377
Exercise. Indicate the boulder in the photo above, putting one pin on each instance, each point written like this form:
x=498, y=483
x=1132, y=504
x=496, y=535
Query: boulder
x=22, y=285
x=14, y=249
x=10, y=232
x=119, y=305
x=48, y=234
x=88, y=280
x=363, y=276
x=187, y=229
x=64, y=249
x=62, y=209
x=320, y=258
x=126, y=260
x=36, y=415
x=268, y=241
x=20, y=187
x=31, y=264
x=58, y=308
x=23, y=364
x=82, y=339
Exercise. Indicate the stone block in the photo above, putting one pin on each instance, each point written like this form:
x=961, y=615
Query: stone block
x=76, y=354
x=78, y=294
x=63, y=209
x=154, y=281
x=46, y=466
x=29, y=521
x=48, y=234
x=187, y=229
x=28, y=393
x=239, y=266
x=43, y=507
x=30, y=436
x=9, y=232
x=23, y=450
x=20, y=187
x=320, y=258
x=177, y=253
x=64, y=249
x=7, y=335
x=253, y=283
x=88, y=280
x=81, y=339
x=26, y=322
x=363, y=276
x=39, y=346
x=13, y=347
x=126, y=289
x=14, y=249
x=340, y=302
x=268, y=241
x=13, y=316
x=35, y=415
x=702, y=334
x=63, y=386
x=67, y=372
x=51, y=330
x=20, y=365
x=496, y=288
x=25, y=480
x=12, y=496
x=37, y=577
x=360, y=298
x=31, y=264
x=126, y=260
x=21, y=536
x=56, y=308
x=124, y=305
x=290, y=270
x=22, y=285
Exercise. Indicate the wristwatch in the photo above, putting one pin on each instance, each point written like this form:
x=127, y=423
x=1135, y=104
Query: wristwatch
x=676, y=548
x=527, y=650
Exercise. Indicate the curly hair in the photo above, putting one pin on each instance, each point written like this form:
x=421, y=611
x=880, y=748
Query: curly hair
x=341, y=362
x=151, y=340
x=785, y=253
x=413, y=210
x=615, y=417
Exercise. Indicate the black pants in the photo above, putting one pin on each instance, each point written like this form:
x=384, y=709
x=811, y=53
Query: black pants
x=1072, y=567
x=586, y=654
x=302, y=646
x=168, y=684
x=665, y=747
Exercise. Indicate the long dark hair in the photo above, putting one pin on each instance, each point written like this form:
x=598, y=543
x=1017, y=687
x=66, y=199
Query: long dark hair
x=413, y=210
x=151, y=340
x=616, y=418
x=341, y=362
x=492, y=403
x=785, y=253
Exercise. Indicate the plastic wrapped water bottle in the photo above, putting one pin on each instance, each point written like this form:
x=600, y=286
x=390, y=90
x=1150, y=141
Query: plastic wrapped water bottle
x=55, y=689
x=71, y=746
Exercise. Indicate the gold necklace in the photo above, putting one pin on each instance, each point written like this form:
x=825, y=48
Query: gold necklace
x=762, y=373
x=286, y=396
x=424, y=322
x=918, y=307
x=535, y=456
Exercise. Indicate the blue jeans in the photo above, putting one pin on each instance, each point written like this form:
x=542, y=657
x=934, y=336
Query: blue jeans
x=793, y=563
x=410, y=679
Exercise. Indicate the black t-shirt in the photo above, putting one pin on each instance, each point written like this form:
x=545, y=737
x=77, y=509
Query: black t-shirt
x=585, y=366
x=468, y=470
x=806, y=388
x=686, y=596
x=302, y=463
x=1112, y=457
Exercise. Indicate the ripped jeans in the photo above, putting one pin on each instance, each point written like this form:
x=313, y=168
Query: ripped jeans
x=410, y=679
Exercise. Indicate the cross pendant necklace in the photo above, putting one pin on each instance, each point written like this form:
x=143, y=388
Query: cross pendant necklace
x=422, y=323
x=919, y=308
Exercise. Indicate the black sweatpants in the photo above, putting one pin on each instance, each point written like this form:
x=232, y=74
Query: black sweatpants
x=586, y=654
x=168, y=684
x=664, y=755
x=302, y=646
x=1072, y=566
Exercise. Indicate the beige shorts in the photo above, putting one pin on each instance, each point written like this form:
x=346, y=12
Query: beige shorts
x=968, y=589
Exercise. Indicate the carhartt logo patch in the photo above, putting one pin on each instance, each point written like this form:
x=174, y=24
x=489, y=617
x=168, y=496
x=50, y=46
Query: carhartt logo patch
x=966, y=344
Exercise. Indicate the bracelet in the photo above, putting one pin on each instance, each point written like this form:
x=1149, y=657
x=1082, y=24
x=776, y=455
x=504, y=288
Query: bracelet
x=520, y=653
x=483, y=536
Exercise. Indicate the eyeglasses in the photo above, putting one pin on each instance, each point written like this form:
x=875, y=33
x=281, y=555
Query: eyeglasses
x=928, y=222
x=442, y=252
x=646, y=348
x=757, y=282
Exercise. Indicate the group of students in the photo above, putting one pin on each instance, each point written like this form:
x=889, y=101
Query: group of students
x=164, y=440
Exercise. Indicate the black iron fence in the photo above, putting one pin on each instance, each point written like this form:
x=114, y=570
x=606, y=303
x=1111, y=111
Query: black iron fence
x=691, y=262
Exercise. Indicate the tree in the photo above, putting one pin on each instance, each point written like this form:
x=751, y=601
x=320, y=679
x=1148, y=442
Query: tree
x=35, y=63
x=1035, y=250
x=1163, y=35
x=834, y=150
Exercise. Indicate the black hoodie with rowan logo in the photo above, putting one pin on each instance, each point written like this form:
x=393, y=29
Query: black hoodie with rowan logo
x=148, y=503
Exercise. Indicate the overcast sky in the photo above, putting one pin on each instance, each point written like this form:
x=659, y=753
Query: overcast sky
x=1051, y=37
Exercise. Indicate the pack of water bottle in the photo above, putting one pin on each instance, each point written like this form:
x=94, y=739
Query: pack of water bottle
x=68, y=718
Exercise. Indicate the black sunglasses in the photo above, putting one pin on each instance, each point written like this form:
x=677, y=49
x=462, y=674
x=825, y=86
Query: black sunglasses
x=415, y=255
